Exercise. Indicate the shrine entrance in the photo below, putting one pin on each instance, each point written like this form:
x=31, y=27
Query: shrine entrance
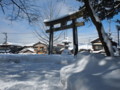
x=63, y=25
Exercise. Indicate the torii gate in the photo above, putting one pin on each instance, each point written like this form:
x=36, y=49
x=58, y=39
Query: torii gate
x=63, y=22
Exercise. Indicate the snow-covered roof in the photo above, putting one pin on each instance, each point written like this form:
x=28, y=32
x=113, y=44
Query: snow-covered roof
x=30, y=44
x=46, y=20
x=70, y=13
x=11, y=43
x=30, y=49
x=85, y=46
x=39, y=43
x=66, y=40
x=94, y=40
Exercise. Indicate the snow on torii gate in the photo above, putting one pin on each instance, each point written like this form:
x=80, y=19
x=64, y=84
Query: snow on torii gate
x=63, y=22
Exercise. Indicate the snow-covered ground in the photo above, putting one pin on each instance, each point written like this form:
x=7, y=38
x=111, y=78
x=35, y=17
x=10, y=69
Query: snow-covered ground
x=92, y=72
x=59, y=72
x=31, y=72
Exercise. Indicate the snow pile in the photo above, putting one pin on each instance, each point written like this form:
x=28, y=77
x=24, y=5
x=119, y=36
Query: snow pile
x=32, y=71
x=66, y=52
x=36, y=58
x=27, y=49
x=92, y=72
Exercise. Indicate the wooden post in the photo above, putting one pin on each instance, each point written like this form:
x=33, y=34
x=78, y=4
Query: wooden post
x=51, y=40
x=75, y=37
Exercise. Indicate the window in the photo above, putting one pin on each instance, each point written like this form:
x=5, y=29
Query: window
x=98, y=47
x=41, y=48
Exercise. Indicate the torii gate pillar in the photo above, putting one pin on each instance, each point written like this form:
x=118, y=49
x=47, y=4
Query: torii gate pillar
x=75, y=38
x=50, y=51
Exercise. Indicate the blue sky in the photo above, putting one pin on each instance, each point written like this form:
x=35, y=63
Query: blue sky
x=21, y=32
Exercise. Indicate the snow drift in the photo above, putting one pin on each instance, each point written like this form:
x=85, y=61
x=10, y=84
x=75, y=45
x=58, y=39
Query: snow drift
x=35, y=58
x=92, y=72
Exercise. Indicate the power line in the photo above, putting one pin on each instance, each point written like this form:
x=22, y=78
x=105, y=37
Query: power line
x=16, y=33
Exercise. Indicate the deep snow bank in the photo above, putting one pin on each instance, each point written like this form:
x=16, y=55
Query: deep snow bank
x=92, y=72
x=17, y=58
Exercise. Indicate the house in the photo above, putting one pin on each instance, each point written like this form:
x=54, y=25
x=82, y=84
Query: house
x=27, y=51
x=36, y=48
x=10, y=48
x=97, y=45
x=4, y=48
x=40, y=48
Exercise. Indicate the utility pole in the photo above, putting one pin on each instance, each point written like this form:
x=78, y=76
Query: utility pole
x=6, y=37
x=5, y=42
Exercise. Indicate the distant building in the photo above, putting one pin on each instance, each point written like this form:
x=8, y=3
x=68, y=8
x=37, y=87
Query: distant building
x=40, y=48
x=36, y=48
x=27, y=51
x=97, y=45
x=10, y=48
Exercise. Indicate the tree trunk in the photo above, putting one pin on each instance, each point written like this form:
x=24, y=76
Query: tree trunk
x=102, y=35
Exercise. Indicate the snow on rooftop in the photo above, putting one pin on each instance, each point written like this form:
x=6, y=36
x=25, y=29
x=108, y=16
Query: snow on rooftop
x=84, y=46
x=11, y=43
x=30, y=44
x=30, y=49
x=46, y=20
x=66, y=40
x=70, y=13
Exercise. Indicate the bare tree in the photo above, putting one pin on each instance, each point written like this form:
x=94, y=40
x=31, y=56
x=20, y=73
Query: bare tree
x=35, y=13
x=15, y=9
x=50, y=12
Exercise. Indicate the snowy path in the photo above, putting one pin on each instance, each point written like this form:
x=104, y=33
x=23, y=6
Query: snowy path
x=30, y=76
